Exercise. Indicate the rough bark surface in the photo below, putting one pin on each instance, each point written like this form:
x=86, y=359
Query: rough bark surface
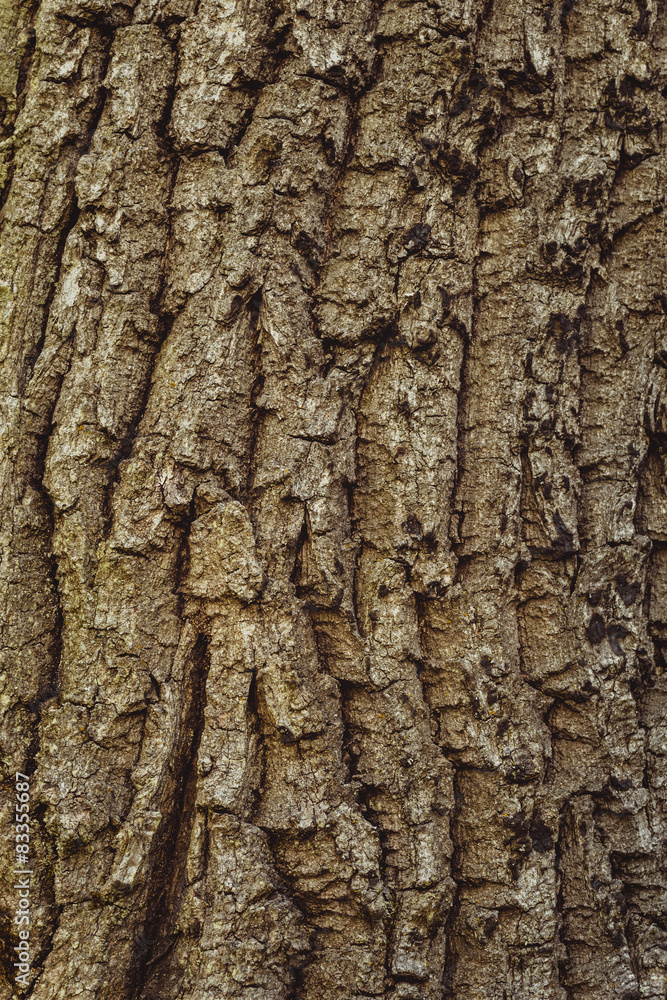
x=334, y=498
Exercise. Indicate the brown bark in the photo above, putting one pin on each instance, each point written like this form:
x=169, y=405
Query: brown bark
x=334, y=506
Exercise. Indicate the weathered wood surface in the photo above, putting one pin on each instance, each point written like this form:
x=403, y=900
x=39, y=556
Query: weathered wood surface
x=334, y=510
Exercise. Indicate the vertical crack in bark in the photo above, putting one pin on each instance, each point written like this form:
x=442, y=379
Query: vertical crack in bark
x=274, y=54
x=457, y=510
x=449, y=971
x=165, y=888
x=562, y=957
x=8, y=117
x=254, y=312
x=36, y=465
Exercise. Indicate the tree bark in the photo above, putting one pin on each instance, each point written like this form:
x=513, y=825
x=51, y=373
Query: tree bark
x=334, y=503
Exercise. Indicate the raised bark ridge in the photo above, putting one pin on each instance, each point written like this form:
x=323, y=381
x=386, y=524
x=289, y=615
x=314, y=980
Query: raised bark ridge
x=334, y=514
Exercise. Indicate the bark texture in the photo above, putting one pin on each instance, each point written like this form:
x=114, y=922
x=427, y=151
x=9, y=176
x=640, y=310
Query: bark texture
x=334, y=499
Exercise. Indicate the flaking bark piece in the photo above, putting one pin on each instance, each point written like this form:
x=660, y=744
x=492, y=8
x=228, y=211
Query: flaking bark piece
x=223, y=560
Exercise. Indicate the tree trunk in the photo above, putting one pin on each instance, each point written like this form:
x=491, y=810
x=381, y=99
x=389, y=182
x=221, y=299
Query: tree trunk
x=334, y=500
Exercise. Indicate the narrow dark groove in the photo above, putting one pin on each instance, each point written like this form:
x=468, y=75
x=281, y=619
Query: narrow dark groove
x=562, y=963
x=182, y=560
x=268, y=74
x=256, y=730
x=126, y=443
x=286, y=887
x=456, y=503
x=387, y=337
x=163, y=134
x=358, y=548
x=8, y=128
x=167, y=881
x=349, y=755
x=296, y=984
x=449, y=970
x=119, y=15
x=301, y=592
x=254, y=308
x=71, y=217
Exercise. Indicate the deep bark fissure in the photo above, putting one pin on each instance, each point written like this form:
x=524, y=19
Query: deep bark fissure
x=168, y=880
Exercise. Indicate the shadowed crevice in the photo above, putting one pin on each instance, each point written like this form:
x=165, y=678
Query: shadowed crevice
x=166, y=885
